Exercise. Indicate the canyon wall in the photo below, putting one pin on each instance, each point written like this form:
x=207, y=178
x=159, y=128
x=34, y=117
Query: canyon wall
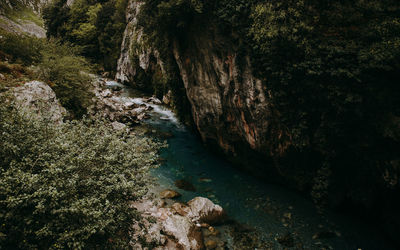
x=233, y=110
x=137, y=60
x=229, y=105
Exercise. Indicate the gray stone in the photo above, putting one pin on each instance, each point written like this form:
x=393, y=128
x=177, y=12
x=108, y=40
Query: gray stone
x=204, y=210
x=118, y=126
x=167, y=98
x=39, y=97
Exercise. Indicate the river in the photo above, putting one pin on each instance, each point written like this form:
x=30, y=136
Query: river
x=269, y=209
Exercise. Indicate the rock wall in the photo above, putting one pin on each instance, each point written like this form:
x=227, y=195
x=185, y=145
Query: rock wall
x=40, y=98
x=138, y=62
x=229, y=105
x=21, y=24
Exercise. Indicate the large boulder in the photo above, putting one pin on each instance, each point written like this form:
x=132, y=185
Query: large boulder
x=204, y=210
x=184, y=231
x=171, y=230
x=178, y=226
x=40, y=98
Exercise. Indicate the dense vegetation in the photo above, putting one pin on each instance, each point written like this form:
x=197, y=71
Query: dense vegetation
x=68, y=185
x=96, y=27
x=56, y=63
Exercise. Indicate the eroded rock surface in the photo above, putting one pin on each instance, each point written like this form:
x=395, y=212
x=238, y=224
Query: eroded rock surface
x=136, y=59
x=178, y=226
x=39, y=97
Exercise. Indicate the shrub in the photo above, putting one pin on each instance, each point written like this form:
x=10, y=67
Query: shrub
x=95, y=26
x=21, y=48
x=68, y=185
x=68, y=76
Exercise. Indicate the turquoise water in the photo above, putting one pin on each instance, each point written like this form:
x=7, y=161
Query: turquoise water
x=270, y=209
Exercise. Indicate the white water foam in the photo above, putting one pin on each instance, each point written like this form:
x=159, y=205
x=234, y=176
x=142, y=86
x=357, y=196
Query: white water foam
x=114, y=83
x=165, y=113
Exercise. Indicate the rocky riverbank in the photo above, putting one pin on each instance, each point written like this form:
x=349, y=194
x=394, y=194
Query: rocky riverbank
x=167, y=224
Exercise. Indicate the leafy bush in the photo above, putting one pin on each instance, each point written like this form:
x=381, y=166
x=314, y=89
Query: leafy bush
x=21, y=48
x=59, y=65
x=68, y=76
x=68, y=185
x=96, y=28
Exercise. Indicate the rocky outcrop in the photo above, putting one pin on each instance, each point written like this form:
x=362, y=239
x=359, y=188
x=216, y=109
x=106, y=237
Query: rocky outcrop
x=22, y=23
x=178, y=226
x=22, y=27
x=109, y=104
x=229, y=104
x=35, y=5
x=138, y=61
x=40, y=98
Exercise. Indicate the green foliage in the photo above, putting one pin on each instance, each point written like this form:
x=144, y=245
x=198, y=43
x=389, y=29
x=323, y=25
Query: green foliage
x=14, y=75
x=20, y=11
x=59, y=65
x=21, y=48
x=95, y=27
x=347, y=54
x=68, y=185
x=55, y=15
x=68, y=76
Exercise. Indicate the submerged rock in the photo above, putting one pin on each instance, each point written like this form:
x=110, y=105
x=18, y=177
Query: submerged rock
x=211, y=244
x=169, y=194
x=286, y=240
x=185, y=185
x=205, y=180
x=324, y=235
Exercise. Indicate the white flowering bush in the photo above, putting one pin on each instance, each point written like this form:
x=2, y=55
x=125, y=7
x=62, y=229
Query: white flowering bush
x=68, y=185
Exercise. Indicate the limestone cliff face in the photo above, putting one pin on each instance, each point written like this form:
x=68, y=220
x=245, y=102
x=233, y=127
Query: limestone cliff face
x=137, y=60
x=229, y=104
x=22, y=24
